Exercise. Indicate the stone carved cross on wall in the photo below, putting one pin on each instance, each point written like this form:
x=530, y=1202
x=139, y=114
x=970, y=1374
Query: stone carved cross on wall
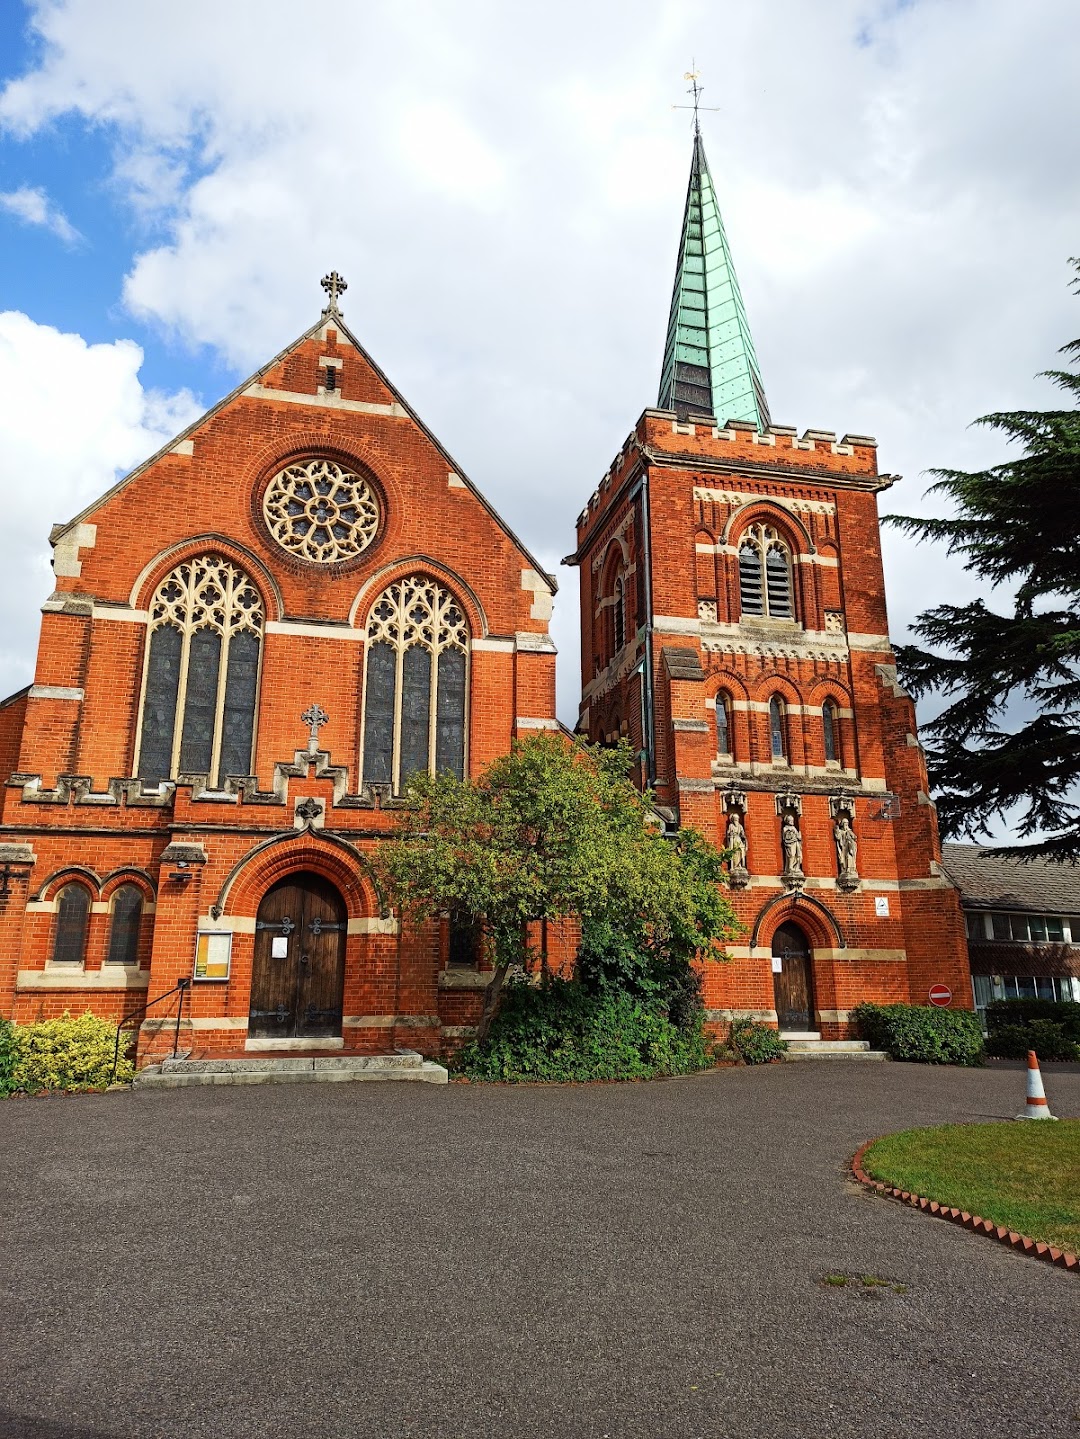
x=334, y=286
x=314, y=717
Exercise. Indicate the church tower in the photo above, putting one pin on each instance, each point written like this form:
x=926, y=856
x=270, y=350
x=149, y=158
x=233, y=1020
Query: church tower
x=734, y=627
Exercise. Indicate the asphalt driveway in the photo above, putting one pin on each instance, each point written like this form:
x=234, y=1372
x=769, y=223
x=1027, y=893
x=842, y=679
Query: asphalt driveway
x=618, y=1260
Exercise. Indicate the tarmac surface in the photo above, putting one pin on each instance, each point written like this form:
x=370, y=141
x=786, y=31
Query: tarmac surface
x=608, y=1261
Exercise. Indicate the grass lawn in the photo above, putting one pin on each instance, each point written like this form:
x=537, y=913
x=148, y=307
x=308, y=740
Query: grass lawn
x=1025, y=1176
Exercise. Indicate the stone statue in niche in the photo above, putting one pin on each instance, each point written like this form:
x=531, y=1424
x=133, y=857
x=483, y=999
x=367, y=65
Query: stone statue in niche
x=735, y=844
x=847, y=853
x=791, y=841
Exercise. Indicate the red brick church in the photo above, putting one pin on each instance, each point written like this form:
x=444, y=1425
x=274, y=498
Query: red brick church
x=256, y=636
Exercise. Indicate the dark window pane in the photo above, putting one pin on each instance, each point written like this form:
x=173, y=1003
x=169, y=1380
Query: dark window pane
x=1002, y=927
x=464, y=939
x=72, y=914
x=159, y=707
x=200, y=707
x=1055, y=930
x=776, y=729
x=241, y=679
x=778, y=579
x=620, y=616
x=723, y=728
x=1037, y=928
x=380, y=682
x=415, y=711
x=124, y=930
x=450, y=716
x=828, y=716
x=1019, y=926
x=750, y=588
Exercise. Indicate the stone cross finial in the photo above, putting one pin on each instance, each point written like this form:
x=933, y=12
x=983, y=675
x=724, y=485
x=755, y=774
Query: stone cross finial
x=315, y=717
x=334, y=286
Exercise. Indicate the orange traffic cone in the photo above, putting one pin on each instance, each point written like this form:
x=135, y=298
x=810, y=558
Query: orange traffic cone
x=1036, y=1106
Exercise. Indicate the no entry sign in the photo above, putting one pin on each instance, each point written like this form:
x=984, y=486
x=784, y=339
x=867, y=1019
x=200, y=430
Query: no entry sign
x=940, y=994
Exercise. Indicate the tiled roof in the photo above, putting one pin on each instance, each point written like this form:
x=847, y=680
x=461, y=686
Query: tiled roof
x=992, y=881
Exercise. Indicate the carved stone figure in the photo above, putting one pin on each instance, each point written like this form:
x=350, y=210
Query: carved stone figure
x=847, y=850
x=735, y=841
x=791, y=840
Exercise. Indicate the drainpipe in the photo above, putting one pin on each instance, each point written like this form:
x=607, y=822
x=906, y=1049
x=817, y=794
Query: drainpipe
x=650, y=712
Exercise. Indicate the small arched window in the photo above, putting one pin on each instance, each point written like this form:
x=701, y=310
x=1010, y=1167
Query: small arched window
x=778, y=729
x=72, y=918
x=765, y=586
x=830, y=732
x=126, y=922
x=415, y=683
x=202, y=673
x=723, y=725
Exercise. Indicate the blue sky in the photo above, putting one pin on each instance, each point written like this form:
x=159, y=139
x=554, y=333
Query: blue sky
x=898, y=184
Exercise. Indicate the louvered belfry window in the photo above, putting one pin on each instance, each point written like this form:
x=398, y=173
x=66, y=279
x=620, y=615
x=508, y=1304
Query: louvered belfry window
x=765, y=574
x=415, y=683
x=72, y=917
x=127, y=908
x=202, y=673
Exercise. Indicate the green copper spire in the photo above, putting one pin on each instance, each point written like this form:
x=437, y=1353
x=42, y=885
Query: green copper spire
x=709, y=363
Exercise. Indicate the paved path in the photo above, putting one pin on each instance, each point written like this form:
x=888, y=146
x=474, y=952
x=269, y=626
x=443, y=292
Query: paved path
x=623, y=1261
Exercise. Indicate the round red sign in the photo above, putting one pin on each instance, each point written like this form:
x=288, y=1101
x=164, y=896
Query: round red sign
x=940, y=994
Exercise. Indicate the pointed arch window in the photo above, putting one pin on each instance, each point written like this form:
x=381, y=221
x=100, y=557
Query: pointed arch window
x=72, y=921
x=723, y=725
x=778, y=730
x=830, y=731
x=415, y=683
x=765, y=586
x=202, y=673
x=125, y=926
x=618, y=611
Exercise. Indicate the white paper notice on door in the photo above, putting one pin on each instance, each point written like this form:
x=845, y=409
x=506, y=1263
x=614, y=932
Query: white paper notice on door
x=279, y=947
x=778, y=966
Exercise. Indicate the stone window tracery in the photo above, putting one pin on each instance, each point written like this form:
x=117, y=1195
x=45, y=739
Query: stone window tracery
x=321, y=512
x=202, y=672
x=765, y=586
x=415, y=683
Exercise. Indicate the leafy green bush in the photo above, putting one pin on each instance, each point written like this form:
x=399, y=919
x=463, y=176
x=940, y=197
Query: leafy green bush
x=1049, y=1041
x=922, y=1033
x=8, y=1056
x=67, y=1054
x=755, y=1043
x=562, y=1032
x=1006, y=1013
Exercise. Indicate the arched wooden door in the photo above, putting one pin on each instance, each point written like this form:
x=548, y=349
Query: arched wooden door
x=793, y=986
x=298, y=974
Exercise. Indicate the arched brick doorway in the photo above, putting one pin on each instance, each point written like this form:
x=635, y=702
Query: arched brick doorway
x=793, y=984
x=298, y=969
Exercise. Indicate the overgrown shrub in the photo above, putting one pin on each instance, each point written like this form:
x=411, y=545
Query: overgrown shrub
x=1049, y=1041
x=1006, y=1013
x=562, y=1032
x=755, y=1043
x=8, y=1056
x=67, y=1054
x=921, y=1033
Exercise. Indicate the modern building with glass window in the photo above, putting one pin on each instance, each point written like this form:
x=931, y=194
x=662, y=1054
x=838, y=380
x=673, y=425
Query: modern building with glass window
x=253, y=641
x=734, y=627
x=1023, y=924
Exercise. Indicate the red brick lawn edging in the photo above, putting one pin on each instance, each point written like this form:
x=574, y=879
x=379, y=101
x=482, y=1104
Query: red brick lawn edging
x=975, y=1222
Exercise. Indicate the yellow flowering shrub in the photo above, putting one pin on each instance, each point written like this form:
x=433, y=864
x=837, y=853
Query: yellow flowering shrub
x=67, y=1054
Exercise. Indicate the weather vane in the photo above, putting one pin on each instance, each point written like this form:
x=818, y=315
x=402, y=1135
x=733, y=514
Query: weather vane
x=696, y=90
x=334, y=286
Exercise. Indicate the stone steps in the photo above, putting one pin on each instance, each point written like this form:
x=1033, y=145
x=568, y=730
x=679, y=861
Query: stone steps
x=811, y=1047
x=404, y=1064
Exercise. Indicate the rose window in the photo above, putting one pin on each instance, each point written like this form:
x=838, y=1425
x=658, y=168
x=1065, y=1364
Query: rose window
x=320, y=512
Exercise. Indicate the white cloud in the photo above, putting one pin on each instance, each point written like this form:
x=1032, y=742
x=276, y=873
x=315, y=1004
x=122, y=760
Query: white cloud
x=503, y=185
x=32, y=206
x=74, y=417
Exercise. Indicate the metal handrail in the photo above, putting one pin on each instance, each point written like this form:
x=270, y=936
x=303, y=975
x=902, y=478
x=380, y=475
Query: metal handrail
x=181, y=987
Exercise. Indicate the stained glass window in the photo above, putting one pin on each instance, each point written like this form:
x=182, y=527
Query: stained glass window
x=72, y=918
x=127, y=905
